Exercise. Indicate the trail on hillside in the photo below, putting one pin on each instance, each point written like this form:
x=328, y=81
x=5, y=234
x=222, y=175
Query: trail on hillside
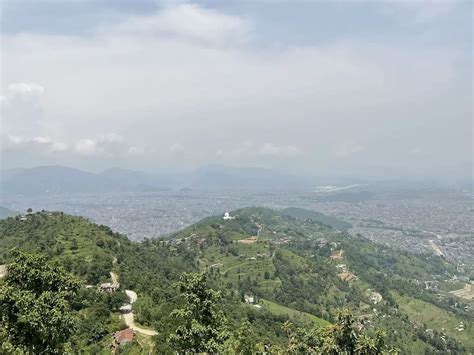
x=114, y=277
x=3, y=270
x=129, y=318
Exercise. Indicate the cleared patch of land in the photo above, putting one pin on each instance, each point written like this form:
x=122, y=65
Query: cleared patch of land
x=467, y=292
x=293, y=314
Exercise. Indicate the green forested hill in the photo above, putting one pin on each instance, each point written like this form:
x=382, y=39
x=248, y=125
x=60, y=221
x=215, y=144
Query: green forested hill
x=315, y=216
x=83, y=248
x=270, y=268
x=308, y=267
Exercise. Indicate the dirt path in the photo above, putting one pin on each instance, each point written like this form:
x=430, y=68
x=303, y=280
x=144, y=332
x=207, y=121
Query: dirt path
x=3, y=271
x=114, y=277
x=129, y=319
x=132, y=296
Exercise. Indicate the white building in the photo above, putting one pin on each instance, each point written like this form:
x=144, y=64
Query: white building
x=227, y=216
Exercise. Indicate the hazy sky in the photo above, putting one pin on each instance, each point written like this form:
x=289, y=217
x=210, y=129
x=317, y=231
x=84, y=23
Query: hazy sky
x=332, y=88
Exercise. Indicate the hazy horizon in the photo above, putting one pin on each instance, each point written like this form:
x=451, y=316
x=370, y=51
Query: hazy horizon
x=367, y=89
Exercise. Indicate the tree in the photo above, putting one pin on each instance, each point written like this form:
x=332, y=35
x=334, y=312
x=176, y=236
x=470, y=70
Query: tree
x=35, y=306
x=29, y=210
x=241, y=341
x=202, y=327
x=343, y=337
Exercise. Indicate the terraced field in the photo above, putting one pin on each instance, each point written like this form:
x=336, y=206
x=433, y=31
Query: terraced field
x=436, y=318
x=294, y=315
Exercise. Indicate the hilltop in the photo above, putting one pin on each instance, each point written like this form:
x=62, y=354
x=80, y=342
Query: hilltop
x=269, y=266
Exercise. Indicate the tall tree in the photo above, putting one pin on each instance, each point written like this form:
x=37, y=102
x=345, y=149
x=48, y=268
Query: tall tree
x=343, y=337
x=34, y=306
x=202, y=328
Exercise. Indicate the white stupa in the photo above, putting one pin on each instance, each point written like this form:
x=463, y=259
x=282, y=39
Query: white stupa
x=227, y=216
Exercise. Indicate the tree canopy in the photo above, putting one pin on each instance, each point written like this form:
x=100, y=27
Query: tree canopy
x=202, y=326
x=35, y=306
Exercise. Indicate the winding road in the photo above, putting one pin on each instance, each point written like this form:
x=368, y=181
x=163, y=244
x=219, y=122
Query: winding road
x=129, y=317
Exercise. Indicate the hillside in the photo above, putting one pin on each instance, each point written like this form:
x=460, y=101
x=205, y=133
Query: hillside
x=304, y=266
x=301, y=213
x=97, y=255
x=270, y=268
x=86, y=250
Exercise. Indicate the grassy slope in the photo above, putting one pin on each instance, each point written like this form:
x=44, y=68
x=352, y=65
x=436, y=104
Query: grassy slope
x=436, y=318
x=294, y=315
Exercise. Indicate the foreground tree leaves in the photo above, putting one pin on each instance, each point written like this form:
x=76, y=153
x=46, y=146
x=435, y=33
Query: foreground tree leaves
x=343, y=337
x=35, y=306
x=202, y=327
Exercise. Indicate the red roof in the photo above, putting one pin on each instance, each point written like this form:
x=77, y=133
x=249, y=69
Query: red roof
x=123, y=336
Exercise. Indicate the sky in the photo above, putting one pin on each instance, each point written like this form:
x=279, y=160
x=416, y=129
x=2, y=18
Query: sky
x=333, y=88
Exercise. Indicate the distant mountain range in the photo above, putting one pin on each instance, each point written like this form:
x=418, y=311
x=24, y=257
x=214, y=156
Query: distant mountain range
x=6, y=212
x=63, y=180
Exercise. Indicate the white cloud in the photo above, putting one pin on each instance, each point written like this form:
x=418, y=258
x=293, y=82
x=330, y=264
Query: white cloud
x=194, y=75
x=59, y=147
x=86, y=146
x=42, y=140
x=25, y=89
x=421, y=12
x=188, y=21
x=37, y=144
x=110, y=145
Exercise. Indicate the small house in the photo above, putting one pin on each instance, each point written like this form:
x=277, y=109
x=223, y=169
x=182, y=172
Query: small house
x=122, y=337
x=109, y=287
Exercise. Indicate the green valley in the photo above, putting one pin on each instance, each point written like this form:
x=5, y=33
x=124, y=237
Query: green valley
x=269, y=268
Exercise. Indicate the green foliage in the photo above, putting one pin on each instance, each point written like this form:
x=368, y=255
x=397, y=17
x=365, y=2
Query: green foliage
x=202, y=327
x=315, y=216
x=35, y=306
x=242, y=340
x=83, y=248
x=343, y=337
x=288, y=270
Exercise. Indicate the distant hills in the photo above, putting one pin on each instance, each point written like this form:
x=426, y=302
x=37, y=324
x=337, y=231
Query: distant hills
x=304, y=214
x=64, y=180
x=224, y=177
x=6, y=212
